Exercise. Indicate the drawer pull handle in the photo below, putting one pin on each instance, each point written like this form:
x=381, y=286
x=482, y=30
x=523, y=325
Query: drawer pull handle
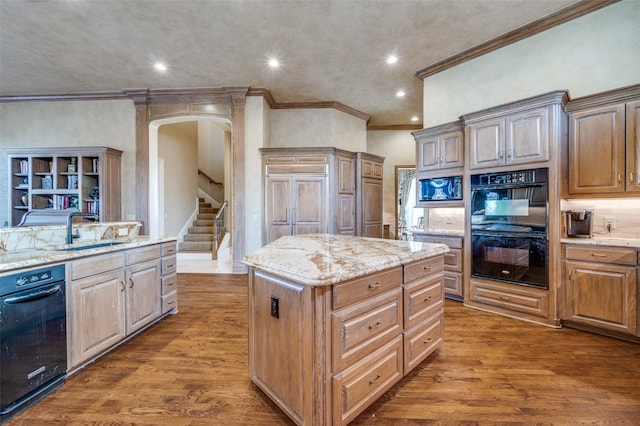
x=131, y=283
x=598, y=255
x=375, y=380
x=374, y=286
x=619, y=177
x=631, y=177
x=171, y=266
x=376, y=325
x=505, y=299
x=428, y=298
x=427, y=267
x=171, y=283
x=428, y=340
x=170, y=302
x=123, y=286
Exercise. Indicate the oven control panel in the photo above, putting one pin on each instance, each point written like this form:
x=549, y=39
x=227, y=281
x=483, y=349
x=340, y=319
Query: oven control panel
x=509, y=178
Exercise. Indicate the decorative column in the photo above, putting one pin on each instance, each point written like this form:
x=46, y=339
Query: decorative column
x=140, y=100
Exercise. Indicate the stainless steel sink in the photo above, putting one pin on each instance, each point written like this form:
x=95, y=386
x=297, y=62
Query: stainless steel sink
x=92, y=246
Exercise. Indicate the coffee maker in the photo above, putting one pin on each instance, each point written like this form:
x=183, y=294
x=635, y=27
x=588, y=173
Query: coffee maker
x=578, y=223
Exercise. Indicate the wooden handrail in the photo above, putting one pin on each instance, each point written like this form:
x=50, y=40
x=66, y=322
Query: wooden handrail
x=200, y=172
x=221, y=210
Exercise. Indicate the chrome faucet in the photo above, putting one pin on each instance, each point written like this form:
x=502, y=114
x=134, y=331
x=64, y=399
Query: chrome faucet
x=70, y=235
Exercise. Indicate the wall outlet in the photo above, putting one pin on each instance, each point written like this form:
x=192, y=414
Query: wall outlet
x=275, y=307
x=610, y=222
x=123, y=232
x=448, y=220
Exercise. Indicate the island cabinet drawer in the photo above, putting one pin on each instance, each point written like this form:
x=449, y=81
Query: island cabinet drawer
x=422, y=299
x=361, y=288
x=451, y=242
x=143, y=254
x=169, y=284
x=519, y=299
x=355, y=388
x=422, y=268
x=96, y=265
x=360, y=329
x=422, y=340
x=620, y=255
x=169, y=301
x=169, y=249
x=168, y=265
x=453, y=260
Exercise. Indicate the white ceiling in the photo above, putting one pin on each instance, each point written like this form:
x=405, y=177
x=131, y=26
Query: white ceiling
x=330, y=50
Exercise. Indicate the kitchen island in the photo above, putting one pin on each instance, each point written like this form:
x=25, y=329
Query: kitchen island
x=335, y=321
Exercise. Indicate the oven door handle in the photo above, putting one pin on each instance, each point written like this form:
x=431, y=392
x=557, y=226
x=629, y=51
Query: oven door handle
x=498, y=234
x=30, y=297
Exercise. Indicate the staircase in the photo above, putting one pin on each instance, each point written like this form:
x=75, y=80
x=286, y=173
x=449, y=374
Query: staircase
x=199, y=237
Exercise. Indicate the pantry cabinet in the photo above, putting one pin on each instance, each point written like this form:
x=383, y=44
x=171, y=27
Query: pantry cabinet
x=79, y=178
x=369, y=195
x=601, y=288
x=603, y=154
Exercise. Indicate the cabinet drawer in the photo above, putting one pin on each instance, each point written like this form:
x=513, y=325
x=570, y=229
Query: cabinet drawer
x=422, y=299
x=359, y=289
x=421, y=340
x=453, y=260
x=453, y=283
x=423, y=268
x=169, y=301
x=96, y=265
x=620, y=255
x=515, y=299
x=452, y=242
x=169, y=248
x=169, y=283
x=361, y=328
x=358, y=386
x=168, y=265
x=143, y=254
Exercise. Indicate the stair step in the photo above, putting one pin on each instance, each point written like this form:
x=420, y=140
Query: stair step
x=207, y=210
x=206, y=216
x=199, y=222
x=195, y=246
x=200, y=230
x=198, y=237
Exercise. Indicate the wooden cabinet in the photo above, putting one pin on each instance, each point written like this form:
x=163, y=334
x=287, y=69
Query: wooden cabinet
x=521, y=132
x=321, y=190
x=603, y=157
x=113, y=296
x=601, y=288
x=81, y=178
x=440, y=147
x=324, y=354
x=369, y=195
x=453, y=263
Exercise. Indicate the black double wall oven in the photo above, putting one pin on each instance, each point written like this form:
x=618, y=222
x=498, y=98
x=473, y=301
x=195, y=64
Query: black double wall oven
x=509, y=240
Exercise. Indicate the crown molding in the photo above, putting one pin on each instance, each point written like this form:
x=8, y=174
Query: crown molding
x=560, y=17
x=395, y=127
x=55, y=97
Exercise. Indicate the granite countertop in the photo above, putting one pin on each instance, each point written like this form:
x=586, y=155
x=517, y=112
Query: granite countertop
x=604, y=241
x=322, y=259
x=33, y=257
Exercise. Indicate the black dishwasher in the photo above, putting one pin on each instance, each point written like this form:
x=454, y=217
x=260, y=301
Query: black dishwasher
x=33, y=336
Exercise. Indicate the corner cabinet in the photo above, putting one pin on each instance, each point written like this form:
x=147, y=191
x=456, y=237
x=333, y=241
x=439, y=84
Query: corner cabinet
x=604, y=141
x=517, y=133
x=78, y=178
x=321, y=190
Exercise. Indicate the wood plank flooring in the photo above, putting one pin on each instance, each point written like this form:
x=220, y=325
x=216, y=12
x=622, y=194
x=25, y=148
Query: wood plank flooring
x=191, y=369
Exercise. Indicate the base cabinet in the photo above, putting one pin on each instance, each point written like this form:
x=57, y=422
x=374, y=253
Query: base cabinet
x=324, y=354
x=601, y=288
x=453, y=263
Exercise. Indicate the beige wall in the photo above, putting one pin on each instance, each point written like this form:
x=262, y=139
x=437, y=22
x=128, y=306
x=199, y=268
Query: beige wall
x=80, y=123
x=317, y=127
x=178, y=146
x=591, y=54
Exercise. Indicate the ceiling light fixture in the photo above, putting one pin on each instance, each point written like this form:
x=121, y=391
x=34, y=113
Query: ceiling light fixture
x=160, y=66
x=274, y=63
x=400, y=93
x=392, y=59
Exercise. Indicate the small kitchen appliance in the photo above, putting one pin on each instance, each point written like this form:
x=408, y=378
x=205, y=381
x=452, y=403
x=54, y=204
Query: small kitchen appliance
x=578, y=223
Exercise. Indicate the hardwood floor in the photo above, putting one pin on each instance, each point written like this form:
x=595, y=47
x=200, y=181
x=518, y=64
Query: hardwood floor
x=191, y=369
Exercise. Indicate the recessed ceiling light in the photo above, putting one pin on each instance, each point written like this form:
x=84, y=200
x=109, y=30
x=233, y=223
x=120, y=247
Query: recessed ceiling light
x=400, y=93
x=274, y=63
x=392, y=59
x=415, y=118
x=160, y=66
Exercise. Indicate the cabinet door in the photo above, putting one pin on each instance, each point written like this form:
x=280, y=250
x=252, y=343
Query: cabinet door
x=633, y=146
x=278, y=207
x=346, y=215
x=602, y=295
x=486, y=139
x=96, y=315
x=346, y=175
x=451, y=150
x=143, y=294
x=428, y=154
x=309, y=204
x=527, y=137
x=371, y=208
x=597, y=150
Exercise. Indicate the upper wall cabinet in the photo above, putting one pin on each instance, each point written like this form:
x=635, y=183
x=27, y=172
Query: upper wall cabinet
x=517, y=133
x=440, y=147
x=603, y=157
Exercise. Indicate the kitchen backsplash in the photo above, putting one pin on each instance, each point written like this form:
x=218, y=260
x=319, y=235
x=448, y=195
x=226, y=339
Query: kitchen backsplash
x=625, y=211
x=445, y=218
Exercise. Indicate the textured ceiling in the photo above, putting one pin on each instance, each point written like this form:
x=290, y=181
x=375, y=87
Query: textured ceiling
x=330, y=50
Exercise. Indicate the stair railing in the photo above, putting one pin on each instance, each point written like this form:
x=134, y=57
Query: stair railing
x=219, y=229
